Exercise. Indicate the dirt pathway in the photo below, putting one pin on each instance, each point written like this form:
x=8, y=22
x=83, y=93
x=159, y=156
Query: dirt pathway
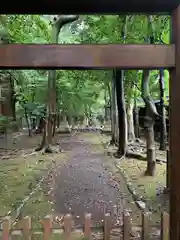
x=84, y=185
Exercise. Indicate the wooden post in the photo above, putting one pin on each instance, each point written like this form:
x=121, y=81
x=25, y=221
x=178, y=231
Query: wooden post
x=67, y=226
x=167, y=170
x=26, y=228
x=126, y=225
x=175, y=131
x=107, y=226
x=165, y=226
x=145, y=226
x=87, y=227
x=47, y=224
x=6, y=228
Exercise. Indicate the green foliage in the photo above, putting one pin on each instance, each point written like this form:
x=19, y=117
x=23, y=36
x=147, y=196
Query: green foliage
x=26, y=28
x=6, y=123
x=79, y=92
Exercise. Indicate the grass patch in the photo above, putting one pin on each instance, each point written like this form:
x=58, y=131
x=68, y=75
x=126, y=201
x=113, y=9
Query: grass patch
x=19, y=176
x=147, y=186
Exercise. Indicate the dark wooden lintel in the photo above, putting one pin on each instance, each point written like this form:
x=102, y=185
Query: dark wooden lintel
x=87, y=56
x=90, y=6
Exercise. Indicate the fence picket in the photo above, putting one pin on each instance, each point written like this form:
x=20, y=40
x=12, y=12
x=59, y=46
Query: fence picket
x=26, y=224
x=87, y=226
x=67, y=226
x=129, y=231
x=47, y=225
x=126, y=225
x=6, y=225
x=145, y=226
x=165, y=226
x=107, y=226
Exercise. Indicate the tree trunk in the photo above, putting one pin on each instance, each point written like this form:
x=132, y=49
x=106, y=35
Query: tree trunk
x=151, y=112
x=113, y=111
x=58, y=23
x=149, y=125
x=117, y=125
x=41, y=126
x=51, y=109
x=33, y=123
x=163, y=132
x=58, y=120
x=54, y=125
x=8, y=102
x=85, y=121
x=122, y=118
x=64, y=125
x=70, y=120
x=130, y=120
x=43, y=141
x=28, y=122
x=136, y=120
x=150, y=144
x=107, y=117
x=12, y=99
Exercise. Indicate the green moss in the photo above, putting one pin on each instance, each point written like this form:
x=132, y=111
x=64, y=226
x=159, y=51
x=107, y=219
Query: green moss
x=146, y=186
x=19, y=176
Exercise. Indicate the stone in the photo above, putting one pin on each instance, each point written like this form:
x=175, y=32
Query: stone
x=141, y=204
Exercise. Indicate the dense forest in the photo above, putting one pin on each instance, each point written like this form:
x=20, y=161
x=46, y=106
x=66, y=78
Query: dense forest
x=47, y=102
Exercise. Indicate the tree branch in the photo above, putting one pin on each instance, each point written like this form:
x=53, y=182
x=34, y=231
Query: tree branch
x=146, y=94
x=146, y=75
x=61, y=20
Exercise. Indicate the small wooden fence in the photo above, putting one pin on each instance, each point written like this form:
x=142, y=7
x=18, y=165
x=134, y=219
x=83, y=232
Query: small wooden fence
x=126, y=231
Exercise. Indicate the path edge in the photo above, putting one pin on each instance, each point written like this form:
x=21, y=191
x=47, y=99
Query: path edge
x=138, y=199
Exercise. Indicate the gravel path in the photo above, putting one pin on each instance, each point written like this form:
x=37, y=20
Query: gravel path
x=84, y=185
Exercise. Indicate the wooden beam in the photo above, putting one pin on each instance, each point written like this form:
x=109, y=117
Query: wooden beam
x=87, y=56
x=175, y=132
x=90, y=6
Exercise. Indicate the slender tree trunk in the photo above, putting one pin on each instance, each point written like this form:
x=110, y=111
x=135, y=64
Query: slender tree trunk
x=129, y=109
x=85, y=121
x=33, y=123
x=58, y=23
x=51, y=109
x=105, y=107
x=64, y=125
x=117, y=125
x=70, y=119
x=107, y=122
x=58, y=120
x=150, y=145
x=33, y=120
x=122, y=118
x=41, y=125
x=163, y=132
x=7, y=95
x=136, y=120
x=43, y=141
x=12, y=98
x=113, y=111
x=151, y=112
x=28, y=122
x=54, y=125
x=149, y=125
x=130, y=120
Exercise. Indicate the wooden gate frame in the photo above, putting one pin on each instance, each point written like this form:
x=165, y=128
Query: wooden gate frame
x=120, y=56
